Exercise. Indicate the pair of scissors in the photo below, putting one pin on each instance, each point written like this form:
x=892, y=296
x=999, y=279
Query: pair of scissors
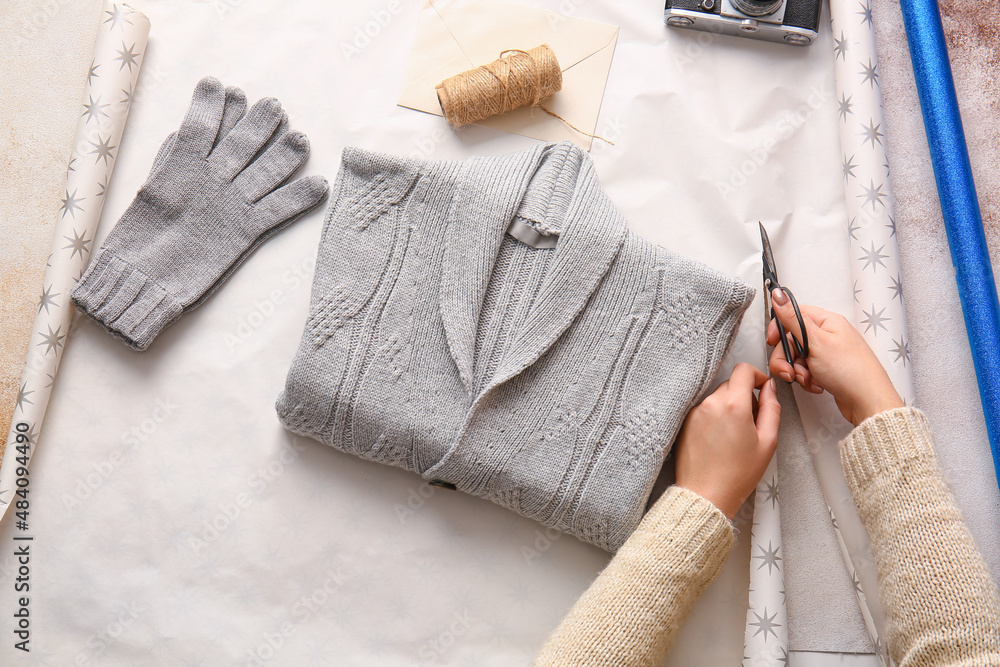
x=771, y=283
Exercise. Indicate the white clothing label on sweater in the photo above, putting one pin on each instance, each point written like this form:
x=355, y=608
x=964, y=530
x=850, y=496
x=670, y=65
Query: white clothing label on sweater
x=525, y=233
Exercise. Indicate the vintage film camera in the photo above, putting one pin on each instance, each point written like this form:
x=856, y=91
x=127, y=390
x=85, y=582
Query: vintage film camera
x=787, y=21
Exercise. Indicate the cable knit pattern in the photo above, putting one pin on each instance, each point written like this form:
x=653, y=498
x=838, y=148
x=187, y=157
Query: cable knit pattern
x=630, y=615
x=551, y=381
x=942, y=607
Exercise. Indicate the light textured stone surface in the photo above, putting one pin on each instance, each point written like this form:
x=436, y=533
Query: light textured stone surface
x=45, y=51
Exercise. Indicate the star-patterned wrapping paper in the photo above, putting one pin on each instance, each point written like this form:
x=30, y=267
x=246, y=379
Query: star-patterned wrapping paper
x=766, y=637
x=111, y=80
x=876, y=283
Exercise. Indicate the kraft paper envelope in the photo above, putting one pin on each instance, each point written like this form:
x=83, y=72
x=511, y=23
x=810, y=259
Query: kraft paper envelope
x=457, y=35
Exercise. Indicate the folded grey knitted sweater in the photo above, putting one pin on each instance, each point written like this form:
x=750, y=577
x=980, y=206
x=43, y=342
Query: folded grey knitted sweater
x=550, y=380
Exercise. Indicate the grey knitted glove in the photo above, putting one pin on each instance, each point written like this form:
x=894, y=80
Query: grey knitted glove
x=214, y=194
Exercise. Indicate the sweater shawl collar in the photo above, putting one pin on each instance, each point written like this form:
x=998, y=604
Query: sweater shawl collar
x=556, y=182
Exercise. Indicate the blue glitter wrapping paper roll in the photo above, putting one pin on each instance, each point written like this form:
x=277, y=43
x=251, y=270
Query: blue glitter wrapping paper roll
x=957, y=193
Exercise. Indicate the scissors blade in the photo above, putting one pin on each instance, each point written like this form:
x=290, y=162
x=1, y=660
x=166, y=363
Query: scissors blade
x=770, y=271
x=770, y=279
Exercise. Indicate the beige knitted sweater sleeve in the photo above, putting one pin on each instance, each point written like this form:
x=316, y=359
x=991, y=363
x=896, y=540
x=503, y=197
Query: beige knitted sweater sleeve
x=632, y=611
x=942, y=607
x=941, y=604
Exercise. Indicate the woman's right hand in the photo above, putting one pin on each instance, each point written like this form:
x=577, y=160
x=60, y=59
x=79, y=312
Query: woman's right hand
x=839, y=361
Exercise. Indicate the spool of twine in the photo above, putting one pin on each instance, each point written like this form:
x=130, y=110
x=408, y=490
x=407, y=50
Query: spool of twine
x=516, y=79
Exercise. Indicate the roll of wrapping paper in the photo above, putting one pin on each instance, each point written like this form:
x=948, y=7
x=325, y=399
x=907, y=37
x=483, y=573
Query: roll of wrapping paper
x=107, y=96
x=876, y=278
x=765, y=642
x=959, y=205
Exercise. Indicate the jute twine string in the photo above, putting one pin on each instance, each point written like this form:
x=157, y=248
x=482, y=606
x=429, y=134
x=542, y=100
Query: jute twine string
x=516, y=79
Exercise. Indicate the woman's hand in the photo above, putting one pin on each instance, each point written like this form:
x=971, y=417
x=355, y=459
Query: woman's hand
x=727, y=441
x=839, y=361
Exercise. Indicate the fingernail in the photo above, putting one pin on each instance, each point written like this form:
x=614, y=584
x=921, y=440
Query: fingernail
x=772, y=384
x=779, y=296
x=786, y=376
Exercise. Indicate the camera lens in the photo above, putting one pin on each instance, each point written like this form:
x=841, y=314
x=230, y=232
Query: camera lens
x=757, y=7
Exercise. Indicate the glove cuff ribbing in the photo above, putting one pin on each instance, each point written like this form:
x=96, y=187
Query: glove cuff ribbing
x=125, y=301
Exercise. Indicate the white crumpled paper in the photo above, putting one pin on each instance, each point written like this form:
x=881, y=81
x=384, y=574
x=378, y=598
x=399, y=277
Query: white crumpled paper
x=177, y=521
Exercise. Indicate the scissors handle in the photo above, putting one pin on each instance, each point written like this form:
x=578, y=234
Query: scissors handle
x=802, y=349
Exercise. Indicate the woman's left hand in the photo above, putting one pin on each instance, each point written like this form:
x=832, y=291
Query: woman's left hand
x=728, y=440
